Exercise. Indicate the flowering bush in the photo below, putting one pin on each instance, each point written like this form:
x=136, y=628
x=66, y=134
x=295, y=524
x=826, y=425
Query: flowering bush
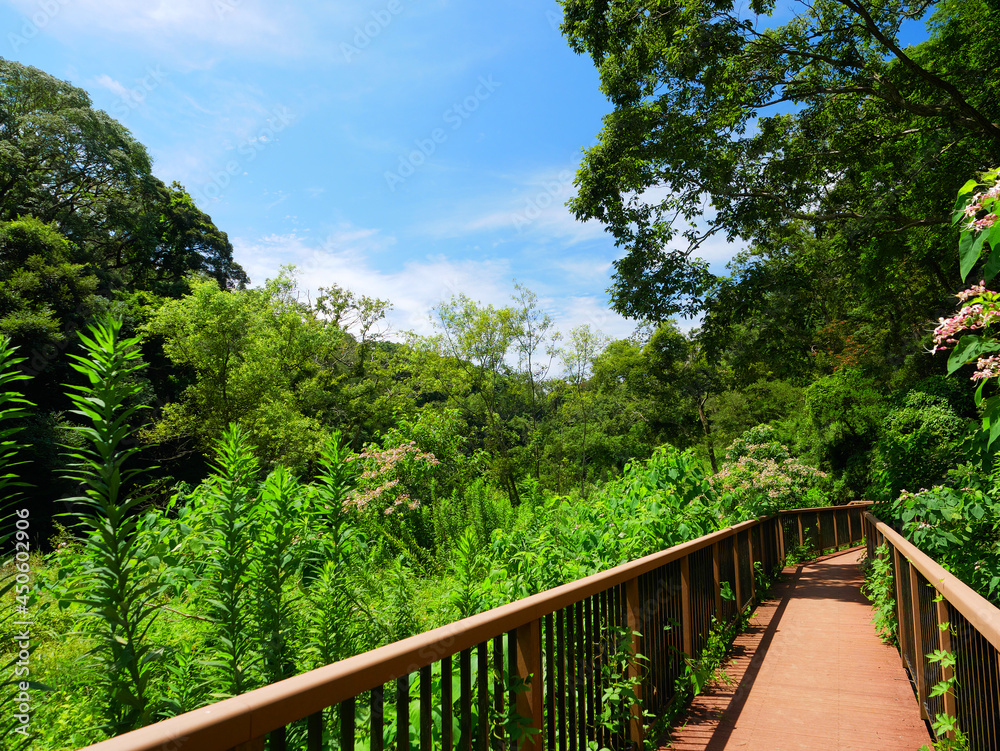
x=980, y=306
x=960, y=529
x=762, y=476
x=386, y=477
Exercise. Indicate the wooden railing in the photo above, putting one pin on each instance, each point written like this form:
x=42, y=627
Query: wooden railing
x=536, y=673
x=937, y=611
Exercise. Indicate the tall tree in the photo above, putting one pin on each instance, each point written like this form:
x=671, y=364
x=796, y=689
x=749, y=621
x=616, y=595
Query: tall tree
x=79, y=170
x=471, y=356
x=582, y=349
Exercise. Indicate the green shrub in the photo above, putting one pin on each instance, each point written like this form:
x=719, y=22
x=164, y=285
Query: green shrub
x=918, y=444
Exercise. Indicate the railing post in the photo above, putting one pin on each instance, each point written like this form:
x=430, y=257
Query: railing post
x=781, y=540
x=850, y=527
x=918, y=641
x=687, y=625
x=947, y=673
x=718, y=580
x=529, y=669
x=736, y=569
x=836, y=533
x=634, y=613
x=819, y=535
x=753, y=577
x=802, y=539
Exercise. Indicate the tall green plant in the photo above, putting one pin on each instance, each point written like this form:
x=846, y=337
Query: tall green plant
x=273, y=571
x=228, y=532
x=118, y=588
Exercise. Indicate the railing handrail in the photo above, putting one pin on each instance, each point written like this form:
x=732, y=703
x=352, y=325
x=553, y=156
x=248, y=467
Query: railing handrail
x=795, y=511
x=240, y=719
x=976, y=609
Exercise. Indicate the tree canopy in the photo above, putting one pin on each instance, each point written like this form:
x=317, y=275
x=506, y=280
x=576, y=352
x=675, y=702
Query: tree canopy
x=728, y=123
x=79, y=170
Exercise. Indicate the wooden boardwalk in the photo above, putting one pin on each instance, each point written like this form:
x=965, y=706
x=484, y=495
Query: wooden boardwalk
x=809, y=673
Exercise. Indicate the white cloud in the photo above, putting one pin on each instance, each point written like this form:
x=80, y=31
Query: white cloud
x=179, y=26
x=533, y=211
x=414, y=286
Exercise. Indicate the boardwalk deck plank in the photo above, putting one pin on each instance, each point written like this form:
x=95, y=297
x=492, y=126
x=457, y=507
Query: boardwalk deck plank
x=809, y=673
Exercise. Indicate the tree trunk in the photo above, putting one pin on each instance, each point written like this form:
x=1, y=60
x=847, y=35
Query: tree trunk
x=708, y=433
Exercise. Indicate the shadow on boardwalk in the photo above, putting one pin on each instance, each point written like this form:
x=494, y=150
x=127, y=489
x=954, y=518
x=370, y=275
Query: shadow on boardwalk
x=809, y=673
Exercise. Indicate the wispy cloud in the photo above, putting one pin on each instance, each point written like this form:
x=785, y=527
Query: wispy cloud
x=416, y=286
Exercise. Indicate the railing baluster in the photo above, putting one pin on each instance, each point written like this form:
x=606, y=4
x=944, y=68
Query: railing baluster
x=482, y=680
x=346, y=712
x=377, y=719
x=562, y=662
x=512, y=675
x=717, y=576
x=465, y=700
x=529, y=667
x=687, y=624
x=497, y=739
x=551, y=661
x=602, y=632
x=403, y=713
x=634, y=615
x=447, y=704
x=571, y=676
x=944, y=644
x=581, y=677
x=425, y=708
x=276, y=740
x=736, y=578
x=589, y=631
x=314, y=732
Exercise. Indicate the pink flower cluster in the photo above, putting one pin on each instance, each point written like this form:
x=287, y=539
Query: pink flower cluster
x=779, y=481
x=987, y=367
x=377, y=480
x=978, y=203
x=975, y=316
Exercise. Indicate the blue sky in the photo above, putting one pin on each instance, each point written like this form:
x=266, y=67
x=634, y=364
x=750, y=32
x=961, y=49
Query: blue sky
x=405, y=150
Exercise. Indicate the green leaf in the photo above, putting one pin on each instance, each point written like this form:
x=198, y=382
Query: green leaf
x=969, y=348
x=993, y=262
x=968, y=251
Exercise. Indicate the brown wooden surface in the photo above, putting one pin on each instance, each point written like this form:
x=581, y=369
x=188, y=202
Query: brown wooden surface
x=810, y=673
